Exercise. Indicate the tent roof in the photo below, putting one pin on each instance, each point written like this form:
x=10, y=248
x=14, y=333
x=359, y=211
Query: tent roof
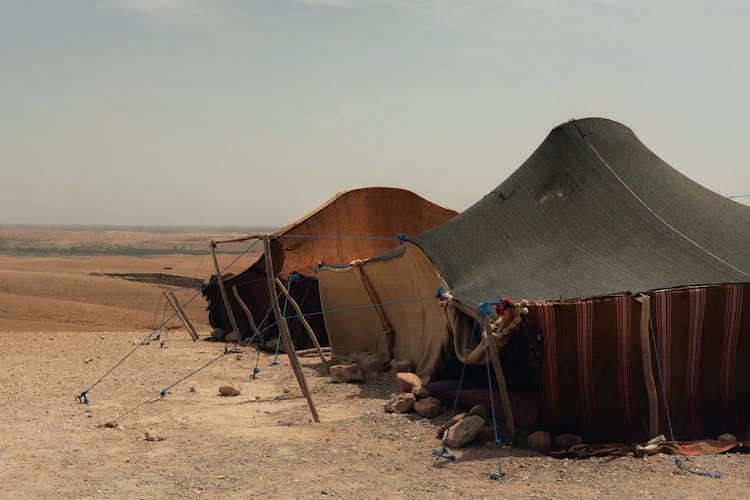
x=355, y=217
x=591, y=212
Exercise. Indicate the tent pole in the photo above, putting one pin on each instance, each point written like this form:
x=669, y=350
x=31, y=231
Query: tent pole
x=307, y=326
x=379, y=309
x=172, y=301
x=648, y=370
x=249, y=315
x=284, y=329
x=223, y=291
x=500, y=377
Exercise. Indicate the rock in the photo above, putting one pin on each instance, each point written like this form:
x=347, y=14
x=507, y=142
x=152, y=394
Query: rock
x=154, y=436
x=192, y=388
x=257, y=397
x=480, y=411
x=228, y=390
x=422, y=393
x=347, y=373
x=487, y=434
x=408, y=382
x=463, y=432
x=218, y=334
x=565, y=441
x=428, y=407
x=540, y=441
x=238, y=357
x=400, y=403
x=400, y=366
x=450, y=423
x=373, y=362
x=728, y=438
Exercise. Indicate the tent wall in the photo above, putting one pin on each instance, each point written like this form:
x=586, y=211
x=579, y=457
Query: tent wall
x=419, y=331
x=593, y=376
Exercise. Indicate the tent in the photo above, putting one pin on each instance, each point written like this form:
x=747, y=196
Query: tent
x=354, y=224
x=610, y=245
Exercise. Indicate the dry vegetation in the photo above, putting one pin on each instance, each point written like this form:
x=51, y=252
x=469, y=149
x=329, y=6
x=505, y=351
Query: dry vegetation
x=61, y=328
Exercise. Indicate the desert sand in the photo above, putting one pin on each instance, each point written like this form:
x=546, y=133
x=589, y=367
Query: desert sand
x=62, y=328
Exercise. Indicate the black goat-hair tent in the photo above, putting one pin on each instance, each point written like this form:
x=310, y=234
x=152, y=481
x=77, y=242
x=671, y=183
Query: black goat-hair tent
x=588, y=221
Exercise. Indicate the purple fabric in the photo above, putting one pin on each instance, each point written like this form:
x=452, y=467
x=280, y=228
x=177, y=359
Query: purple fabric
x=525, y=404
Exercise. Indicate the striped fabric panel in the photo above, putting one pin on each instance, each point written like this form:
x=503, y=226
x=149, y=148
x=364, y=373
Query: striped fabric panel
x=729, y=348
x=623, y=304
x=584, y=324
x=551, y=384
x=695, y=330
x=663, y=332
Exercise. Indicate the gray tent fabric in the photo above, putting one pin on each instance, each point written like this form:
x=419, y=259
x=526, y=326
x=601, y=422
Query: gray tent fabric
x=591, y=212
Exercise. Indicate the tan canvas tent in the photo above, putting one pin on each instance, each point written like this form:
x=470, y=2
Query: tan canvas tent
x=355, y=224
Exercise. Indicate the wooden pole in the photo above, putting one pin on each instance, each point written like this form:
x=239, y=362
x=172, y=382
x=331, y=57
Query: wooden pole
x=648, y=371
x=172, y=300
x=223, y=291
x=307, y=326
x=249, y=315
x=284, y=329
x=379, y=309
x=500, y=377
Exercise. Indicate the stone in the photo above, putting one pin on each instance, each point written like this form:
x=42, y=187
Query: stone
x=463, y=432
x=422, y=393
x=347, y=373
x=728, y=438
x=228, y=390
x=428, y=407
x=373, y=362
x=449, y=423
x=400, y=365
x=487, y=434
x=480, y=411
x=400, y=403
x=565, y=441
x=218, y=334
x=152, y=435
x=408, y=382
x=540, y=441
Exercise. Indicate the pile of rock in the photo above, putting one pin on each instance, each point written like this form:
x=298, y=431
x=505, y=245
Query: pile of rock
x=358, y=364
x=412, y=394
x=464, y=428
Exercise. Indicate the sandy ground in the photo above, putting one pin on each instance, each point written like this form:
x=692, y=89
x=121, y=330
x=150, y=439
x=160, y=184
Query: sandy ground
x=61, y=329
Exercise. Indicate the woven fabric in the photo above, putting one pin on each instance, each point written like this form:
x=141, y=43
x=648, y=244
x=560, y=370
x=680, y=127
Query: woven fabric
x=592, y=212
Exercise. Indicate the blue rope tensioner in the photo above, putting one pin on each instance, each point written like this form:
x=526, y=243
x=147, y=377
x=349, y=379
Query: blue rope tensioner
x=677, y=461
x=83, y=396
x=443, y=294
x=485, y=310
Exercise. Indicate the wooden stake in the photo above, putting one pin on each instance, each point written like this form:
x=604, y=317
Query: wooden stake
x=172, y=300
x=648, y=370
x=249, y=315
x=500, y=377
x=284, y=329
x=224, y=292
x=307, y=326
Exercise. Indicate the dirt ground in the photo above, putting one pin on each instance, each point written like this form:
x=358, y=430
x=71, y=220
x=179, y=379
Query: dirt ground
x=61, y=329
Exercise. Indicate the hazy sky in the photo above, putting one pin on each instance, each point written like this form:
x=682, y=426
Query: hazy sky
x=253, y=112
